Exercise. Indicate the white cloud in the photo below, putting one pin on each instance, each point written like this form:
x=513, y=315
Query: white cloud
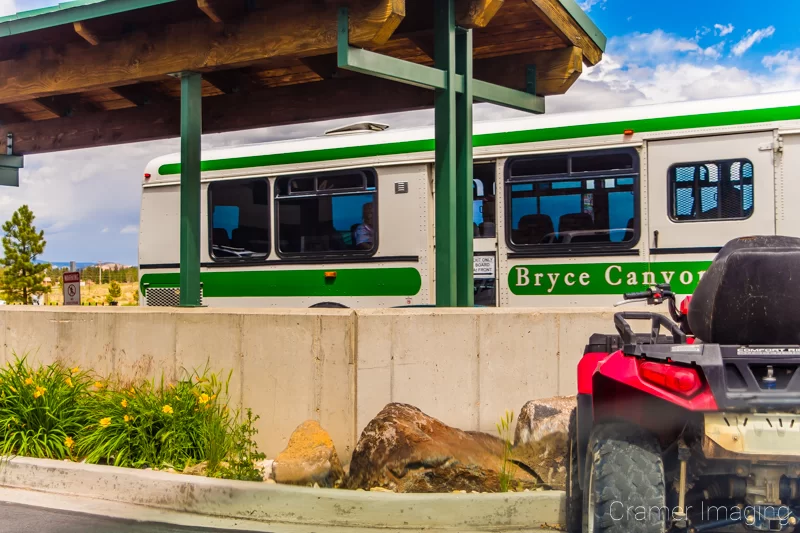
x=587, y=5
x=651, y=48
x=129, y=230
x=785, y=62
x=659, y=67
x=722, y=30
x=752, y=38
x=105, y=230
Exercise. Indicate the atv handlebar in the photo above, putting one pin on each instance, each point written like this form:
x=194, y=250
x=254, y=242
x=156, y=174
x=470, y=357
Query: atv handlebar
x=638, y=295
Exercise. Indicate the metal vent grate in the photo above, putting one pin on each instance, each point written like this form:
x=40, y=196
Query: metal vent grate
x=165, y=296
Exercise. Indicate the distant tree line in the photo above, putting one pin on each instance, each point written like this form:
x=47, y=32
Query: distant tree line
x=120, y=275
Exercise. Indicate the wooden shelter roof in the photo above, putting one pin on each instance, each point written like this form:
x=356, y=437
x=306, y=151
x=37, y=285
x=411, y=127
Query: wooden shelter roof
x=99, y=72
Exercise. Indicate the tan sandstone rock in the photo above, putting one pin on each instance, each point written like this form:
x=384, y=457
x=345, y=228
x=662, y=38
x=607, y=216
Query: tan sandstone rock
x=310, y=457
x=541, y=438
x=405, y=450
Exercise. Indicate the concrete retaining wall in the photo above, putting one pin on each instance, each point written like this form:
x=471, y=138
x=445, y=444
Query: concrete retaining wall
x=340, y=367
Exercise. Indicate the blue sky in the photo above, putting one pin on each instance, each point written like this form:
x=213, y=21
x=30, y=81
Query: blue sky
x=87, y=201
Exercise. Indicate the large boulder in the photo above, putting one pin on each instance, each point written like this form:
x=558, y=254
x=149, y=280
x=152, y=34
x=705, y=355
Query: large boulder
x=405, y=450
x=541, y=439
x=309, y=458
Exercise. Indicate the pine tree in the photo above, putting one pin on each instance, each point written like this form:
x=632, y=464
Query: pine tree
x=114, y=291
x=22, y=277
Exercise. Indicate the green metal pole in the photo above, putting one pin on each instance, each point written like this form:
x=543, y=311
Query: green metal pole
x=464, y=219
x=445, y=183
x=191, y=130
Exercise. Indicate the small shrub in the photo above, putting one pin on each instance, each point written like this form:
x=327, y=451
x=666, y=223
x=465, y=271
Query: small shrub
x=241, y=453
x=41, y=413
x=508, y=470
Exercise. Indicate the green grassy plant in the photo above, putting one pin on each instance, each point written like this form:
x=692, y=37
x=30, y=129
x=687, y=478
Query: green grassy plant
x=169, y=425
x=41, y=412
x=56, y=412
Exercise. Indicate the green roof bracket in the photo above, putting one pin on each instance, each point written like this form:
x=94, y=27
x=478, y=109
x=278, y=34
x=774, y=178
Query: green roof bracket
x=390, y=68
x=530, y=79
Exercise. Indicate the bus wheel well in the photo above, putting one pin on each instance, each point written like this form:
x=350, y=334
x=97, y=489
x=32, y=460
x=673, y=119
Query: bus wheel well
x=328, y=305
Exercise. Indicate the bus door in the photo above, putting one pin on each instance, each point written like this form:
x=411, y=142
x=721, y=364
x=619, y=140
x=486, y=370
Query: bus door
x=703, y=192
x=484, y=193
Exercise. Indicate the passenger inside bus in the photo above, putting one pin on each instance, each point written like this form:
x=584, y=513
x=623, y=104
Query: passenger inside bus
x=363, y=234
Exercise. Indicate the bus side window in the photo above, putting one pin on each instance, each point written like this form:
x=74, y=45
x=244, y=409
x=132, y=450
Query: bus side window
x=240, y=225
x=483, y=200
x=331, y=213
x=573, y=200
x=711, y=190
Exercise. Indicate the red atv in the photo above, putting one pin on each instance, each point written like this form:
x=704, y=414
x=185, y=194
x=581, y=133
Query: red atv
x=695, y=425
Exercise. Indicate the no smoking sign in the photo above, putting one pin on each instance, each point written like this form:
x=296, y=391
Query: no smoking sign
x=72, y=288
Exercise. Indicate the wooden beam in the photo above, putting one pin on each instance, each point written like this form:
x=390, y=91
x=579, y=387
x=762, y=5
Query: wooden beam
x=231, y=81
x=66, y=105
x=424, y=42
x=210, y=9
x=553, y=13
x=556, y=70
x=288, y=30
x=10, y=116
x=337, y=98
x=82, y=29
x=476, y=13
x=326, y=66
x=142, y=94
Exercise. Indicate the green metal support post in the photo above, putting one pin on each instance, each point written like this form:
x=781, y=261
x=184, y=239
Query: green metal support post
x=191, y=130
x=464, y=220
x=445, y=181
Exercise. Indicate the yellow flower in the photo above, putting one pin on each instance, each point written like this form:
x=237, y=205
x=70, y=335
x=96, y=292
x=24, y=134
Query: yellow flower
x=203, y=398
x=133, y=391
x=75, y=370
x=68, y=442
x=68, y=381
x=28, y=381
x=105, y=422
x=214, y=397
x=127, y=418
x=12, y=389
x=98, y=385
x=39, y=392
x=124, y=403
x=167, y=409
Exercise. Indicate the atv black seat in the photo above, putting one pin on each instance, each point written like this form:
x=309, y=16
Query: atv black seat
x=750, y=294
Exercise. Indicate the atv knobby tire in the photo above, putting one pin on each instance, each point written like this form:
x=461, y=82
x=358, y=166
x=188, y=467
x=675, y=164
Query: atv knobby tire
x=624, y=488
x=574, y=492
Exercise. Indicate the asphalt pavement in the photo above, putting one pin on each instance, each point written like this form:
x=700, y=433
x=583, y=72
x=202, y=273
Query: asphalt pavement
x=15, y=518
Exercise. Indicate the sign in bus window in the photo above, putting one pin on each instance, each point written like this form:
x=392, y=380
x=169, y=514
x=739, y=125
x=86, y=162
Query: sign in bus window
x=712, y=190
x=338, y=216
x=588, y=206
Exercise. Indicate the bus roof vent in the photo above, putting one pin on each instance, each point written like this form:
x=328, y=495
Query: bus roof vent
x=358, y=127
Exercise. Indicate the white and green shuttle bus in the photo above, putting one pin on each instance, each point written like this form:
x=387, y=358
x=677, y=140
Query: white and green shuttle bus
x=570, y=209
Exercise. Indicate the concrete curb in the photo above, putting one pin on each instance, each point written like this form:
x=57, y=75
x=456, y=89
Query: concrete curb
x=288, y=505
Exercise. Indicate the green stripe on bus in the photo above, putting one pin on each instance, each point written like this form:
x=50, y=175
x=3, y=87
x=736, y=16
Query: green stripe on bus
x=299, y=283
x=603, y=278
x=708, y=120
